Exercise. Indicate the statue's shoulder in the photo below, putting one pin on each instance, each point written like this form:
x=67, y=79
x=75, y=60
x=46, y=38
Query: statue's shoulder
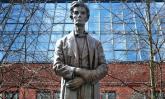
x=93, y=39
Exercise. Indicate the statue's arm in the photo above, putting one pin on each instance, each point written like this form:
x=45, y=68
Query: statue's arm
x=97, y=73
x=59, y=65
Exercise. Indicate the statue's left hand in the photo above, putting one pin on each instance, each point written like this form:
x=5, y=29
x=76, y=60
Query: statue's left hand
x=84, y=73
x=75, y=83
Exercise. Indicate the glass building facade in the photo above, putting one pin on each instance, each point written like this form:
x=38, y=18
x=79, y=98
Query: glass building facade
x=29, y=31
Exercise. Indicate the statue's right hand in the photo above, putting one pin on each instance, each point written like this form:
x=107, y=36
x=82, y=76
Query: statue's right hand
x=75, y=83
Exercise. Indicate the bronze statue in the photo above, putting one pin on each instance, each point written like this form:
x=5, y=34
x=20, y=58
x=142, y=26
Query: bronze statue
x=79, y=58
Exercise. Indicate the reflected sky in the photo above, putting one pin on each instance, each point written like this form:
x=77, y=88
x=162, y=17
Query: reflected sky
x=117, y=25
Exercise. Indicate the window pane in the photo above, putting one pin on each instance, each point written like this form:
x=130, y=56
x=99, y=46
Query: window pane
x=109, y=55
x=118, y=28
x=93, y=27
x=137, y=95
x=56, y=95
x=120, y=55
x=109, y=95
x=43, y=95
x=132, y=55
x=11, y=95
x=1, y=55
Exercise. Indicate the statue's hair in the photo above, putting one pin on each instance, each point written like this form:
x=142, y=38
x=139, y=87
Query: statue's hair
x=79, y=4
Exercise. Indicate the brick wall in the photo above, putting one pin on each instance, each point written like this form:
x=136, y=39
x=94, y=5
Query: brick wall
x=123, y=78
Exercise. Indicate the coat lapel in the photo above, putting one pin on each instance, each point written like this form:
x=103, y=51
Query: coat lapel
x=73, y=45
x=91, y=50
x=90, y=44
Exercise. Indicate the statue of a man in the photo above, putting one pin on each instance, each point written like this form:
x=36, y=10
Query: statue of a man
x=79, y=58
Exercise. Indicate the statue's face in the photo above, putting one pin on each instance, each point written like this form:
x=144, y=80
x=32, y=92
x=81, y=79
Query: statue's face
x=79, y=15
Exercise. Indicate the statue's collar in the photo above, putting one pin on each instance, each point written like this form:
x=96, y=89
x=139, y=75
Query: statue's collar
x=84, y=34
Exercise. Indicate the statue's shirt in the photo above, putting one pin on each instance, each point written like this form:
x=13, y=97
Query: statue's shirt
x=83, y=52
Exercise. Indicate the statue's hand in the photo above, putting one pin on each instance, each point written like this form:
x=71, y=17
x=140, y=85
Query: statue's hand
x=84, y=73
x=75, y=83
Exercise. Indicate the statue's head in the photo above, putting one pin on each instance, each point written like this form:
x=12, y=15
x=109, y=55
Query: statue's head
x=79, y=4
